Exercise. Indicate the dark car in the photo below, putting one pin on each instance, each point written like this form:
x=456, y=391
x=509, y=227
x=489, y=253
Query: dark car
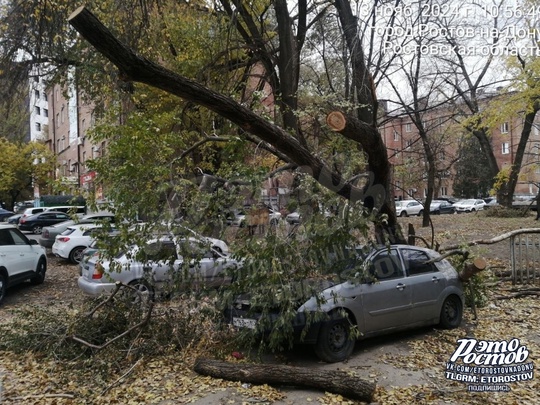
x=14, y=219
x=35, y=223
x=5, y=214
x=400, y=287
x=438, y=207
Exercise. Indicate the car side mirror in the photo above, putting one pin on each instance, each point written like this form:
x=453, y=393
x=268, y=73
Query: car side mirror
x=33, y=242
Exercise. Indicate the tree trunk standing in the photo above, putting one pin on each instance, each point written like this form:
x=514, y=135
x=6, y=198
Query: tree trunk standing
x=375, y=193
x=337, y=382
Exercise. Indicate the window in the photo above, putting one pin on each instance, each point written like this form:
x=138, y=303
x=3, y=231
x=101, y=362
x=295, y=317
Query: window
x=396, y=135
x=37, y=110
x=417, y=262
x=45, y=97
x=408, y=127
x=505, y=148
x=45, y=112
x=38, y=126
x=408, y=144
x=36, y=94
x=57, y=120
x=62, y=114
x=385, y=266
x=444, y=191
x=504, y=128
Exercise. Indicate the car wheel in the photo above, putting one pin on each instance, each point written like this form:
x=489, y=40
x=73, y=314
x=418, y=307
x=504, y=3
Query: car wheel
x=141, y=292
x=451, y=312
x=334, y=342
x=41, y=269
x=274, y=222
x=421, y=213
x=473, y=210
x=403, y=214
x=76, y=254
x=36, y=229
x=3, y=287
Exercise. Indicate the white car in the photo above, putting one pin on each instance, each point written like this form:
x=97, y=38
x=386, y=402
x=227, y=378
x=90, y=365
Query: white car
x=405, y=208
x=71, y=243
x=157, y=265
x=470, y=205
x=21, y=259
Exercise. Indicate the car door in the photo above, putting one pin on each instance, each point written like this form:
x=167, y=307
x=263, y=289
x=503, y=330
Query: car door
x=16, y=252
x=161, y=260
x=199, y=263
x=425, y=282
x=386, y=300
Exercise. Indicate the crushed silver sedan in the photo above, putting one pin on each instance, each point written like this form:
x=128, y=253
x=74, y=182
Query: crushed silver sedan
x=161, y=264
x=394, y=288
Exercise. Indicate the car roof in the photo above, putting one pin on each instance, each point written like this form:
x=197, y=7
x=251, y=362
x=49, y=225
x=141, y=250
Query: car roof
x=7, y=226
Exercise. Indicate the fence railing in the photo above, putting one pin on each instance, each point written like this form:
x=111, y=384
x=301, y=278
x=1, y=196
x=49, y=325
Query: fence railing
x=525, y=257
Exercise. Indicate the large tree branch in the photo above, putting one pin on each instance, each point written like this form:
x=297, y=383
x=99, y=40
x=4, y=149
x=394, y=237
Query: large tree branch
x=138, y=69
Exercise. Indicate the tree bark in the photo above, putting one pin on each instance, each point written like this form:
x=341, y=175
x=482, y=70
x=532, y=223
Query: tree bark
x=337, y=382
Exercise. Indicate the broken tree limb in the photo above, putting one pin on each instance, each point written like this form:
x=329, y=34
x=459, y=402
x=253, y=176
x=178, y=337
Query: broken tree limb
x=497, y=239
x=335, y=381
x=470, y=269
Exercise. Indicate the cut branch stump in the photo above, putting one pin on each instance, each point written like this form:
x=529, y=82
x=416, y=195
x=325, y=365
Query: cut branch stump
x=334, y=381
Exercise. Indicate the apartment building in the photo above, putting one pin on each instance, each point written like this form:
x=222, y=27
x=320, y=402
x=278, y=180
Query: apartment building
x=446, y=136
x=69, y=121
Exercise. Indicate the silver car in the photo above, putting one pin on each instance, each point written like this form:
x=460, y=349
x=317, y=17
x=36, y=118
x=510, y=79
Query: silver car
x=397, y=287
x=160, y=264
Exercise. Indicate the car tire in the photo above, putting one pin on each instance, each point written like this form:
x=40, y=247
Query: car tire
x=144, y=292
x=3, y=287
x=403, y=214
x=451, y=312
x=274, y=222
x=76, y=254
x=334, y=342
x=41, y=269
x=37, y=229
x=421, y=213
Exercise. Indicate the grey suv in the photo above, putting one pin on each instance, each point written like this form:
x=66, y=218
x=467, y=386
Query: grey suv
x=21, y=259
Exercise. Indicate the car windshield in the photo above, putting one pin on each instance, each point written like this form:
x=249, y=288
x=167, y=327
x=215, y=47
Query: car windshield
x=469, y=202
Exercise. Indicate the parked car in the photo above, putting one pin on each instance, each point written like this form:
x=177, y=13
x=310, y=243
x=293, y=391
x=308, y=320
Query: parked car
x=4, y=214
x=76, y=238
x=293, y=218
x=36, y=222
x=49, y=233
x=405, y=208
x=21, y=259
x=438, y=207
x=403, y=287
x=14, y=219
x=470, y=205
x=491, y=202
x=31, y=211
x=157, y=265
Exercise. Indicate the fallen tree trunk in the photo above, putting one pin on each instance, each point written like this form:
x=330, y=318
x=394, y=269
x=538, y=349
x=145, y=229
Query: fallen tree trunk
x=473, y=268
x=337, y=382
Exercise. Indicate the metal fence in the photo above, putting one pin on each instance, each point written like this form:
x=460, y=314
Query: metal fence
x=525, y=257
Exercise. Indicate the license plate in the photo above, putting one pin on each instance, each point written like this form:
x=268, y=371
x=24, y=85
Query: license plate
x=245, y=323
